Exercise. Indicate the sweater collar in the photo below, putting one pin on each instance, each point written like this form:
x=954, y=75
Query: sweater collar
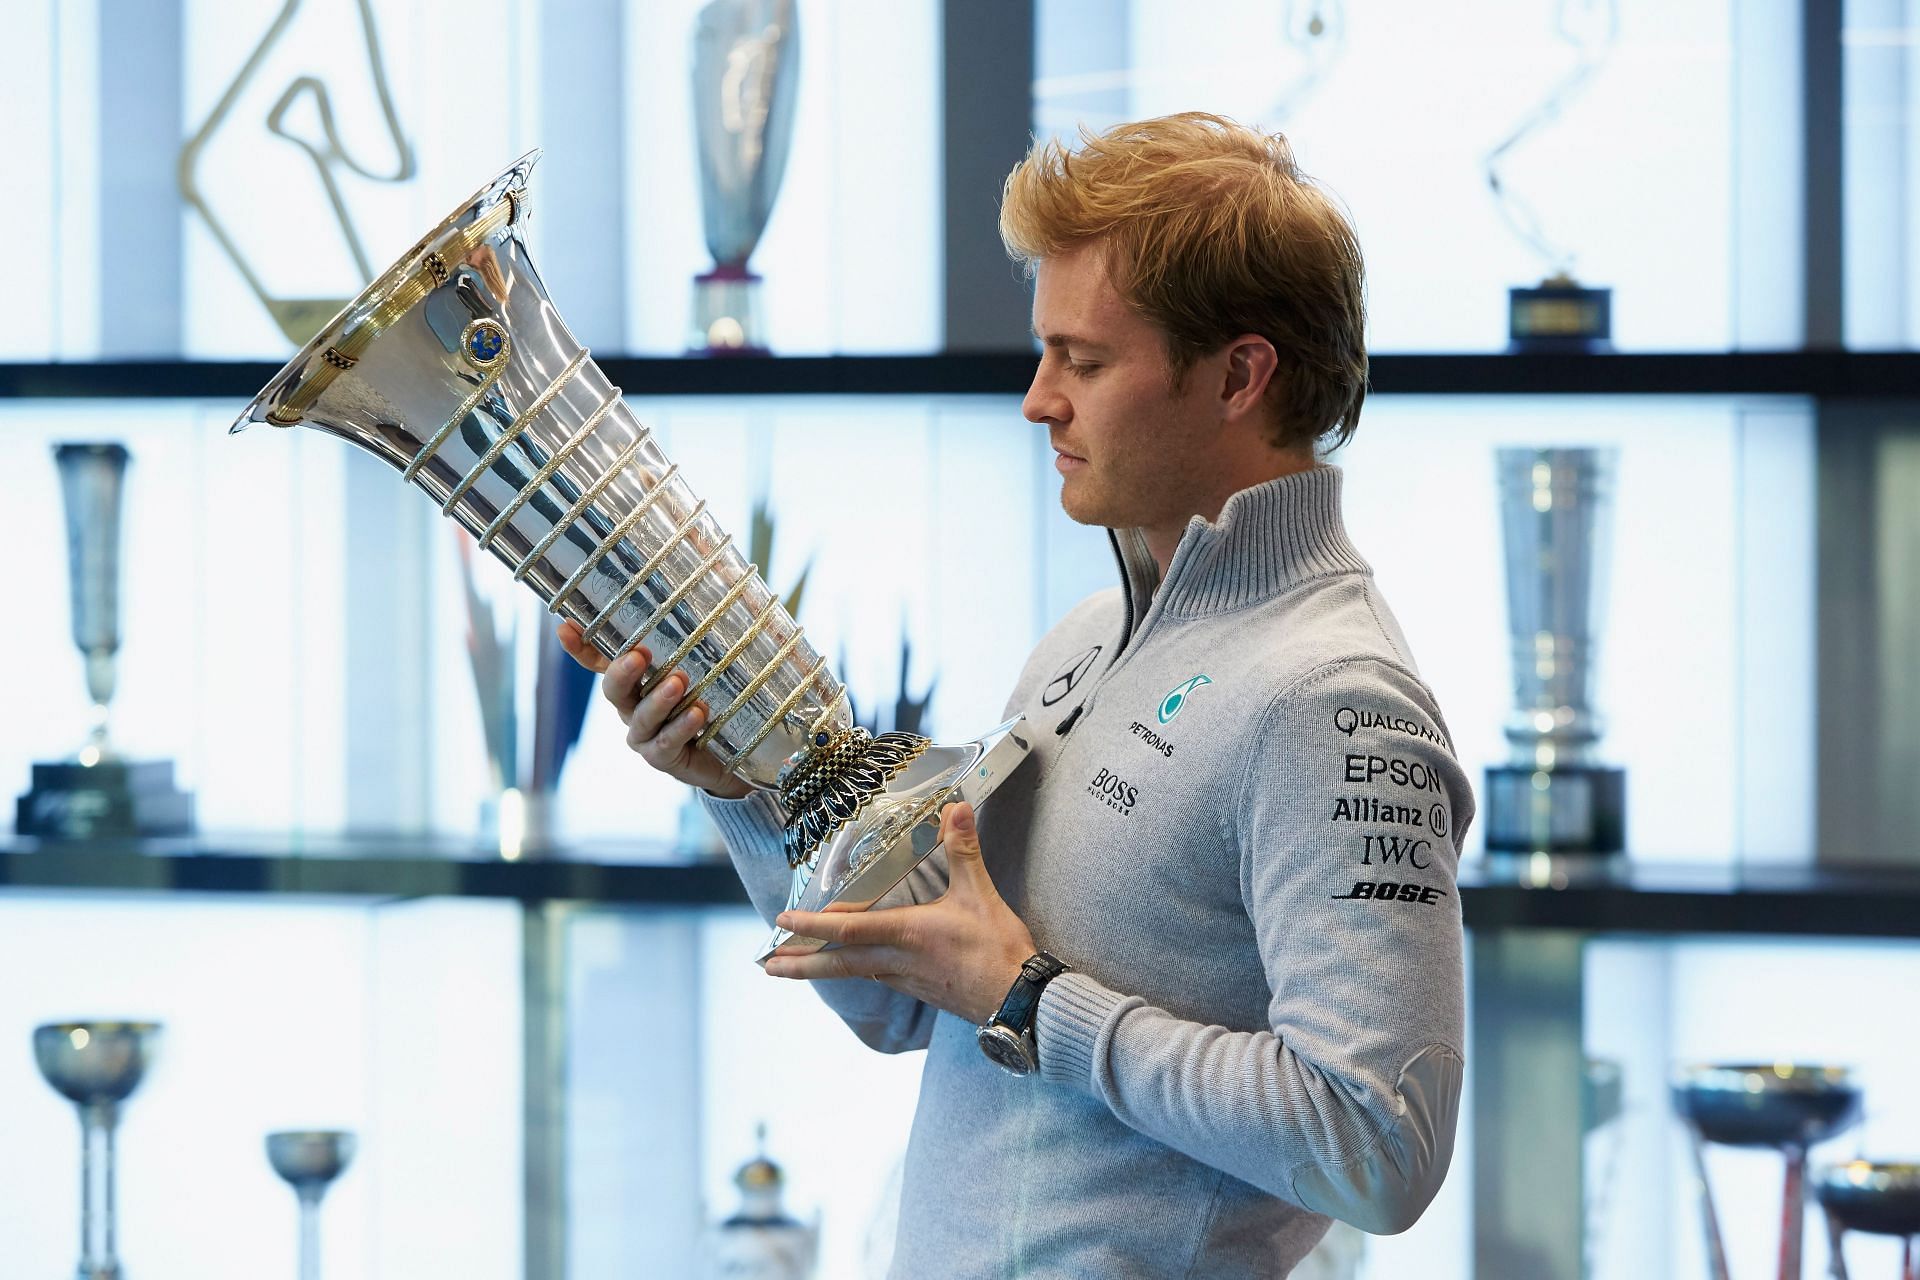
x=1267, y=539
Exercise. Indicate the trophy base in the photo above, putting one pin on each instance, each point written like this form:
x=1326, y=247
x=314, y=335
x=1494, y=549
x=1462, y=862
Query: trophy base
x=898, y=828
x=112, y=800
x=1578, y=809
x=726, y=314
x=1560, y=316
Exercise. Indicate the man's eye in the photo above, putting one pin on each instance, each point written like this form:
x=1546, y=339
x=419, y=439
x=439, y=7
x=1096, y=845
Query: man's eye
x=1080, y=368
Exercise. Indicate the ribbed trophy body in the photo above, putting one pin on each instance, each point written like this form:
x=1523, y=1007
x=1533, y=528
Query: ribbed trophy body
x=1555, y=520
x=457, y=370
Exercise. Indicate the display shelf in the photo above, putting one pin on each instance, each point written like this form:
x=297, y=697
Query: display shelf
x=1587, y=895
x=1822, y=374
x=1619, y=895
x=367, y=866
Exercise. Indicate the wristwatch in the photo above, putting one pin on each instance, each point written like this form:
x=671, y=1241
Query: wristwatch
x=1007, y=1039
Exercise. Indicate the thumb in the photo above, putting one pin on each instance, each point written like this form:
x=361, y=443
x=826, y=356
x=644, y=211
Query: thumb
x=961, y=837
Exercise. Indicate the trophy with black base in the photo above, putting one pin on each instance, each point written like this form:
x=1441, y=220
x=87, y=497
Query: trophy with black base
x=456, y=369
x=1559, y=314
x=1553, y=796
x=99, y=794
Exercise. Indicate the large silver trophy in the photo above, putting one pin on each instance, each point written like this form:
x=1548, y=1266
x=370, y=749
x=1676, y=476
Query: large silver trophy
x=746, y=64
x=97, y=1066
x=1552, y=796
x=455, y=368
x=99, y=793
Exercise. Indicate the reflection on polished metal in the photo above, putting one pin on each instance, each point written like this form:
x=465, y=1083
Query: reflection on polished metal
x=1559, y=314
x=746, y=64
x=310, y=1160
x=99, y=793
x=96, y=1066
x=1784, y=1106
x=464, y=378
x=1874, y=1197
x=1552, y=796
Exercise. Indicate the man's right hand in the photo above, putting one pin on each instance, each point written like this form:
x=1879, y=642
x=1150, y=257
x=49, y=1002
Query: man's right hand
x=665, y=744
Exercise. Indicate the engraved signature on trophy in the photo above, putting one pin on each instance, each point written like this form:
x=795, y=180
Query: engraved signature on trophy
x=299, y=318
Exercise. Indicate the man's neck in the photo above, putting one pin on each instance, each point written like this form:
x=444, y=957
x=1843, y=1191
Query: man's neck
x=1163, y=541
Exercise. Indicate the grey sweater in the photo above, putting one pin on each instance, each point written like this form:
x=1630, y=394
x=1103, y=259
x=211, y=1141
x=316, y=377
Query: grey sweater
x=1240, y=825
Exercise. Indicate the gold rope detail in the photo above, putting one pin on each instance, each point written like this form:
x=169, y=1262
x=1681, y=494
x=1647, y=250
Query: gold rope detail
x=580, y=504
x=620, y=531
x=768, y=611
x=467, y=406
x=552, y=464
x=753, y=686
x=662, y=670
x=520, y=423
x=678, y=594
x=650, y=567
x=787, y=704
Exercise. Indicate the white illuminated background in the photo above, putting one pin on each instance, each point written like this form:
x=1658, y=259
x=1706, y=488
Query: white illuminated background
x=932, y=518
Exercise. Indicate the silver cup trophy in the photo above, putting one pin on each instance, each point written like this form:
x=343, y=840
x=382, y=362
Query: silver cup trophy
x=1874, y=1197
x=746, y=64
x=455, y=368
x=99, y=793
x=96, y=1066
x=1785, y=1107
x=309, y=1160
x=1552, y=796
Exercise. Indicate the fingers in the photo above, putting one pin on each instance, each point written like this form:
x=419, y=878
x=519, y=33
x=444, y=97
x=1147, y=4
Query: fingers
x=581, y=652
x=662, y=742
x=842, y=962
x=958, y=833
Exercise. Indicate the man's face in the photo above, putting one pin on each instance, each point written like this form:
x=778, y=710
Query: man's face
x=1132, y=451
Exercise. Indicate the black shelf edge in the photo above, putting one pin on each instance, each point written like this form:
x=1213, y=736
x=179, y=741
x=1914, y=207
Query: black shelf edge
x=1602, y=897
x=369, y=868
x=1819, y=374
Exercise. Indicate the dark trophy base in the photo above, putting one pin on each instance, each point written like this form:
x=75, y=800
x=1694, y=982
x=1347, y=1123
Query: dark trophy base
x=1580, y=810
x=1560, y=316
x=115, y=799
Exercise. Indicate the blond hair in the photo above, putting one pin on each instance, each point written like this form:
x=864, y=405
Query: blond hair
x=1211, y=231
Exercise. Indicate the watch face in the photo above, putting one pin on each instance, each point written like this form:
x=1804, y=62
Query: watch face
x=1006, y=1050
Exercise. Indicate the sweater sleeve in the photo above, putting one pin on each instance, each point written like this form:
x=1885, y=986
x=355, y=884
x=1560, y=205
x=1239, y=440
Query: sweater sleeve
x=883, y=1018
x=1349, y=819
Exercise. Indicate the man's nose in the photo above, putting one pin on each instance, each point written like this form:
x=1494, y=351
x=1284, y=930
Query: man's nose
x=1044, y=403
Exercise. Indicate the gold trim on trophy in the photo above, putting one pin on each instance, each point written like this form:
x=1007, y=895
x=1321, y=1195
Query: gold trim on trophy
x=520, y=423
x=580, y=504
x=621, y=530
x=753, y=686
x=547, y=469
x=662, y=670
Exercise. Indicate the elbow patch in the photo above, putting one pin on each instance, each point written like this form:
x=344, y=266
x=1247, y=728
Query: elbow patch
x=1385, y=1189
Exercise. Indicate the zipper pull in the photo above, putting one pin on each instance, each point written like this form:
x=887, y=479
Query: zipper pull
x=1066, y=726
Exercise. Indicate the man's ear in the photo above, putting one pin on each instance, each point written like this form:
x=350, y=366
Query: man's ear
x=1251, y=362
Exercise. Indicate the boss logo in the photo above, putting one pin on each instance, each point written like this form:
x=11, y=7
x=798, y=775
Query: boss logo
x=1390, y=891
x=1114, y=791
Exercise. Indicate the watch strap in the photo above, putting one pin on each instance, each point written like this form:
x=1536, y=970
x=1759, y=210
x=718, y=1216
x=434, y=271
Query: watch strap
x=1022, y=1005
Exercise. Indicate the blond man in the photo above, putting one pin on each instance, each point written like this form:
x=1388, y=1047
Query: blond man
x=1193, y=987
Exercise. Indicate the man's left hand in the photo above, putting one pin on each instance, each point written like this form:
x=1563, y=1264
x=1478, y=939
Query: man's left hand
x=960, y=953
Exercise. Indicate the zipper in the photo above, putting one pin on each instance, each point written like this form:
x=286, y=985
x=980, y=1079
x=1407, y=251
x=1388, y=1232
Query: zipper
x=1065, y=727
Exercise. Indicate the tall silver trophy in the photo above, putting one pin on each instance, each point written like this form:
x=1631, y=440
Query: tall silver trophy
x=455, y=368
x=99, y=793
x=746, y=64
x=97, y=1066
x=1553, y=796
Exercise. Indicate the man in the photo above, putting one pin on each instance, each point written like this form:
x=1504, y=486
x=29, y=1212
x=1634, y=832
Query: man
x=1239, y=827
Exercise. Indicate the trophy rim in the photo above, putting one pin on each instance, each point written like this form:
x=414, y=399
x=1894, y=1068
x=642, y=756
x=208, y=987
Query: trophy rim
x=350, y=317
x=95, y=1026
x=1775, y=1077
